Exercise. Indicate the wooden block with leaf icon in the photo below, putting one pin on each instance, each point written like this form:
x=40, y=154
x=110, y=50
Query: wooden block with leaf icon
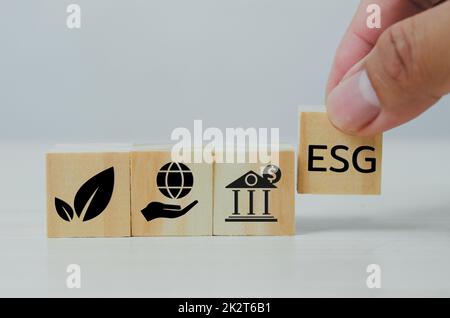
x=88, y=191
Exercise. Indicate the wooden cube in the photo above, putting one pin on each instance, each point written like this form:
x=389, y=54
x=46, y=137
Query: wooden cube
x=169, y=198
x=88, y=191
x=255, y=198
x=331, y=162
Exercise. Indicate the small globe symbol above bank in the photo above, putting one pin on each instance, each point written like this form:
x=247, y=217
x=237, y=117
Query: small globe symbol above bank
x=175, y=180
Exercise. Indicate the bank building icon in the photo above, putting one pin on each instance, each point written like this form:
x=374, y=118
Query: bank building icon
x=247, y=185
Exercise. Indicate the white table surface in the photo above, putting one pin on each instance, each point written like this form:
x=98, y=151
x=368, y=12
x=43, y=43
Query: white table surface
x=406, y=231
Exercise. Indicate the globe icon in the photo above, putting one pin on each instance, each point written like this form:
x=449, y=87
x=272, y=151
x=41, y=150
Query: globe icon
x=175, y=180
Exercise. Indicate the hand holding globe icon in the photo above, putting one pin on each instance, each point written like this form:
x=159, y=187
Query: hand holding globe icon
x=175, y=181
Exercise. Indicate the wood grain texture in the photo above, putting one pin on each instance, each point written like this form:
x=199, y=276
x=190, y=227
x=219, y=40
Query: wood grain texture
x=281, y=200
x=67, y=172
x=316, y=129
x=145, y=165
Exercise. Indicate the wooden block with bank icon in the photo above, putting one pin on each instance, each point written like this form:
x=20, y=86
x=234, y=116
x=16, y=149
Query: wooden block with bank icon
x=331, y=162
x=255, y=197
x=170, y=197
x=88, y=190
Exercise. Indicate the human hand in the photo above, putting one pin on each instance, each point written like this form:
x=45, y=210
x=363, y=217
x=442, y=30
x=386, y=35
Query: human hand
x=382, y=78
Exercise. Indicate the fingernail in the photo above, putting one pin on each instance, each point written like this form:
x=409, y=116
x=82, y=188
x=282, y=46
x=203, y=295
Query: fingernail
x=354, y=69
x=353, y=103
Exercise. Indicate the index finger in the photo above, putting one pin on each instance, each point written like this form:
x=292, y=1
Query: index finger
x=359, y=40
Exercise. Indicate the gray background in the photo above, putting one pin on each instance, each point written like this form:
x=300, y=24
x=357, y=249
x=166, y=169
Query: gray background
x=138, y=69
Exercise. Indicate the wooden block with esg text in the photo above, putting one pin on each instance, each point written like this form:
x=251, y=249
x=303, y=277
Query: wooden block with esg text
x=331, y=162
x=88, y=191
x=169, y=197
x=255, y=198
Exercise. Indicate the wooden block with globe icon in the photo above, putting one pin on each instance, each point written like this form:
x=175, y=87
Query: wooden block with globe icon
x=88, y=190
x=255, y=198
x=169, y=198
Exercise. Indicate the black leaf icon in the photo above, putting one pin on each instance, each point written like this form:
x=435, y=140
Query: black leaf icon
x=94, y=195
x=64, y=210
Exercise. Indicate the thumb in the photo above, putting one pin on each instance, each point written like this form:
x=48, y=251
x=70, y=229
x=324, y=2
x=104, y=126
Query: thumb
x=407, y=71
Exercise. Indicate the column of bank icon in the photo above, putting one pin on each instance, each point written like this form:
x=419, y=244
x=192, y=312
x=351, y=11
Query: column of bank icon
x=252, y=182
